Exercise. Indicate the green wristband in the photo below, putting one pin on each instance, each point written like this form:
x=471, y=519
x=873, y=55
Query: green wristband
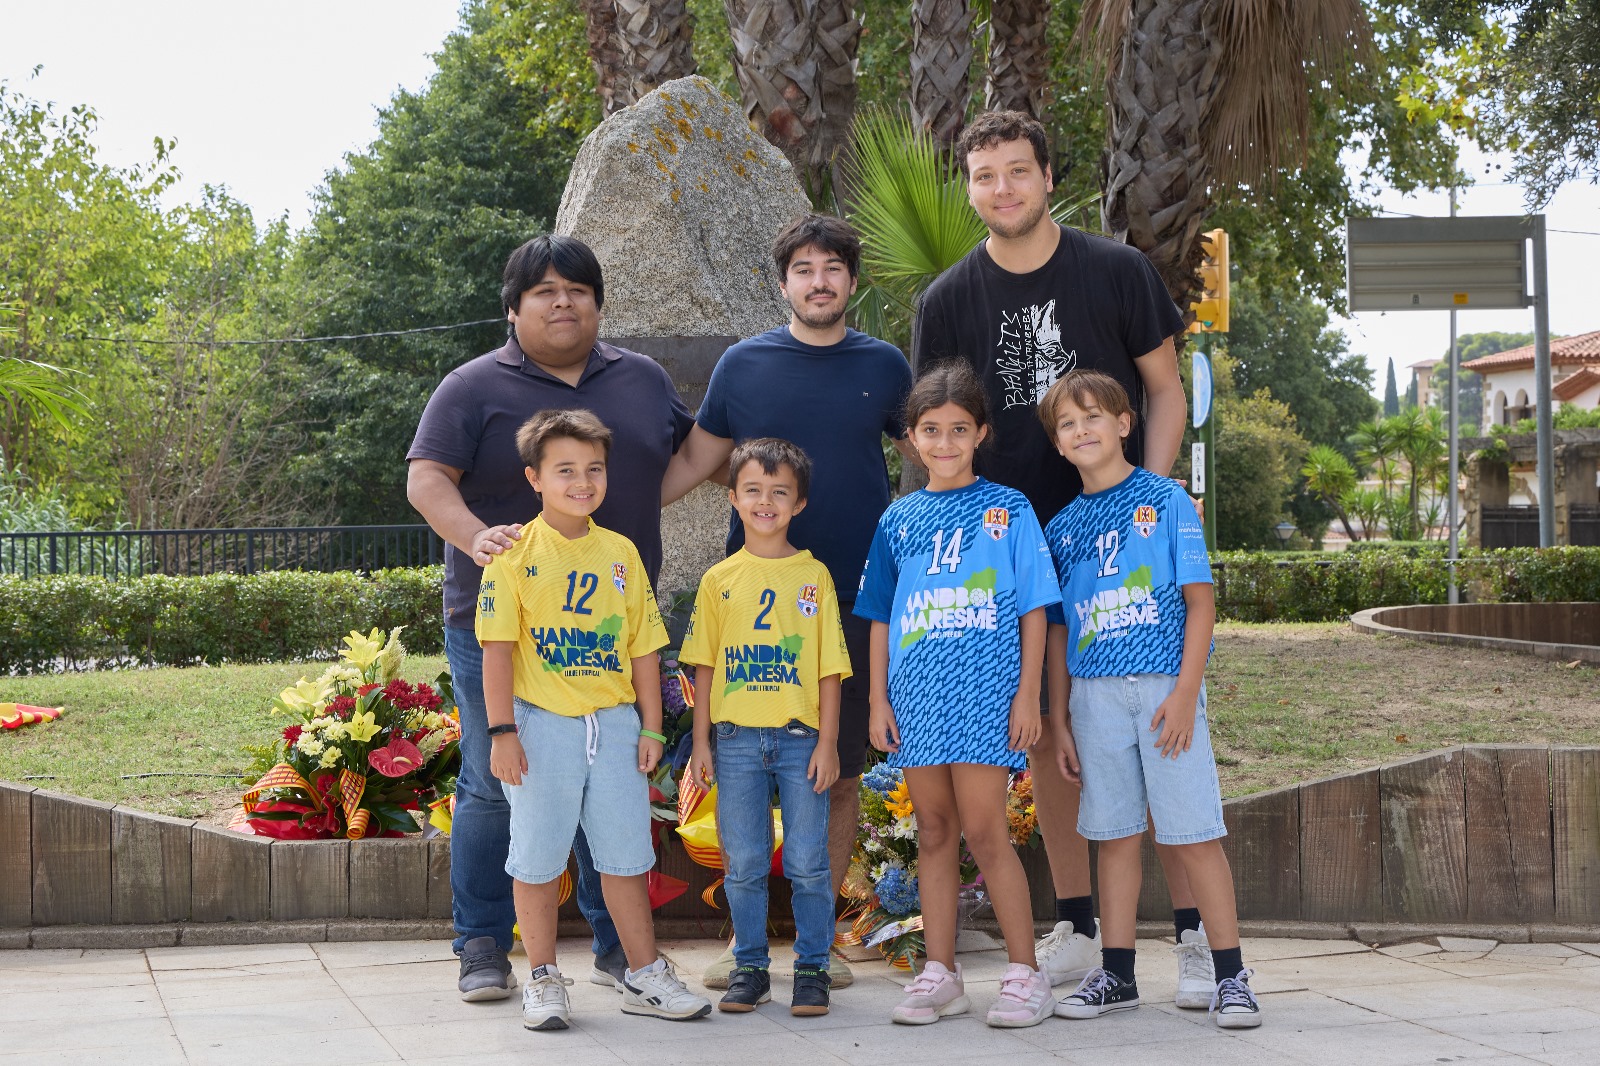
x=652, y=735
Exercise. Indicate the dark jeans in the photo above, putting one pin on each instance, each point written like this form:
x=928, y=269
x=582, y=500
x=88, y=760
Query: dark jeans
x=480, y=833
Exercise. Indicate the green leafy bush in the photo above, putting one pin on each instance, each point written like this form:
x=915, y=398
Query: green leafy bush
x=71, y=621
x=1255, y=587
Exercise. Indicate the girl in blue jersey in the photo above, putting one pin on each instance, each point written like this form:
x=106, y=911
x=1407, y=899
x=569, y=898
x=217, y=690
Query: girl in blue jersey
x=1134, y=632
x=955, y=586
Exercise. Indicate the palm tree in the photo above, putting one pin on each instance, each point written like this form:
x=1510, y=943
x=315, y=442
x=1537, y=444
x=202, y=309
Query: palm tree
x=1201, y=92
x=1365, y=506
x=1329, y=476
x=796, y=65
x=1419, y=438
x=1376, y=443
x=657, y=38
x=1018, y=58
x=26, y=384
x=611, y=79
x=941, y=61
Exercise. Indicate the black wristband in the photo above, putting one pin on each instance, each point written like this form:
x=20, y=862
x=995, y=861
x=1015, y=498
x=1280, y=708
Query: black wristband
x=496, y=730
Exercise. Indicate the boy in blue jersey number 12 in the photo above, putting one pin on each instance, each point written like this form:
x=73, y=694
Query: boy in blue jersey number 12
x=1134, y=633
x=769, y=657
x=955, y=586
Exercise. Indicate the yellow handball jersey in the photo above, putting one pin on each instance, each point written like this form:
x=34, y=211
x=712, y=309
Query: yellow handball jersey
x=770, y=630
x=579, y=610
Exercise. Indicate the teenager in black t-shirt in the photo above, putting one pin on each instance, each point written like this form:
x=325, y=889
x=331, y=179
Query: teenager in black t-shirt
x=1031, y=302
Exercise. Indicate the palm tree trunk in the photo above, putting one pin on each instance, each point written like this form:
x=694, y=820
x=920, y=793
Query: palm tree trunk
x=796, y=65
x=1018, y=60
x=1155, y=176
x=941, y=57
x=611, y=79
x=657, y=38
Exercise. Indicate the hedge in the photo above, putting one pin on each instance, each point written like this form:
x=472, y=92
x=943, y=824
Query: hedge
x=76, y=622
x=1258, y=587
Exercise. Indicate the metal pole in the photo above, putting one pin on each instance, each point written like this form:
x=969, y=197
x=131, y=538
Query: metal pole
x=1455, y=430
x=1205, y=433
x=1541, y=386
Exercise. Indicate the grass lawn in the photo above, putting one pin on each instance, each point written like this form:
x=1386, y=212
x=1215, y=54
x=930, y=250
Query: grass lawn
x=1288, y=703
x=195, y=720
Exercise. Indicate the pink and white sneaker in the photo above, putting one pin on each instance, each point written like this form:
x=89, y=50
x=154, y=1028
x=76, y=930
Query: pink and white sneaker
x=1025, y=999
x=936, y=993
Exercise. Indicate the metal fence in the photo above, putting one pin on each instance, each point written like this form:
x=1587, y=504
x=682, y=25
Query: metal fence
x=192, y=552
x=1510, y=527
x=1583, y=524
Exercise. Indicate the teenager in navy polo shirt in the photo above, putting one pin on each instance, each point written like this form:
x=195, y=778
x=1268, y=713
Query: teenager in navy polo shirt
x=835, y=392
x=466, y=478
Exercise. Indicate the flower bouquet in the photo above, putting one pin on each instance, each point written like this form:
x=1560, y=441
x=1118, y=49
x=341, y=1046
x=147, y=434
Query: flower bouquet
x=366, y=750
x=883, y=875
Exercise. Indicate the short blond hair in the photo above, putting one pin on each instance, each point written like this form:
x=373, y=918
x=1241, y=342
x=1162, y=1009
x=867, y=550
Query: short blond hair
x=1087, y=388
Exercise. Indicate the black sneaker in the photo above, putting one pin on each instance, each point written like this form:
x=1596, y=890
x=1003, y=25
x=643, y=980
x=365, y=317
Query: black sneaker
x=811, y=984
x=610, y=969
x=1100, y=993
x=747, y=986
x=485, y=971
x=1235, y=1005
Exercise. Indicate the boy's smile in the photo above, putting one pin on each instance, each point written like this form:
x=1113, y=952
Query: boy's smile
x=1088, y=437
x=570, y=481
x=766, y=503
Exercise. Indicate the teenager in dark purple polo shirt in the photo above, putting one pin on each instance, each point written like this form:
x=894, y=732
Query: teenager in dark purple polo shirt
x=466, y=479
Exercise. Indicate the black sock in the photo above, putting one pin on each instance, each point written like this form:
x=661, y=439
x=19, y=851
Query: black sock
x=1118, y=961
x=1228, y=962
x=1185, y=918
x=1079, y=910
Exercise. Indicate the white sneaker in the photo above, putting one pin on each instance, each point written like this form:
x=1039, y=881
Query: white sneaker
x=1025, y=999
x=1197, y=980
x=544, y=1000
x=935, y=993
x=1235, y=1005
x=1065, y=956
x=656, y=992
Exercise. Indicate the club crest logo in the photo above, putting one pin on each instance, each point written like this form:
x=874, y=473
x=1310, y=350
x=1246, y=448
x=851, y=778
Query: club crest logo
x=1144, y=520
x=619, y=577
x=807, y=601
x=996, y=521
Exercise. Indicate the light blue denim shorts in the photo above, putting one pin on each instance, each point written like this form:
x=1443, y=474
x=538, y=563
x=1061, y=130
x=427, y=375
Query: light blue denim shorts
x=1125, y=774
x=584, y=771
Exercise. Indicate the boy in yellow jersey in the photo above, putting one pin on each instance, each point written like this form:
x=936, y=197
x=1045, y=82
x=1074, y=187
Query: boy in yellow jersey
x=569, y=628
x=769, y=653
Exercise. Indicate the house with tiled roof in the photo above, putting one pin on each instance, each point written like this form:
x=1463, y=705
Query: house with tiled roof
x=1508, y=393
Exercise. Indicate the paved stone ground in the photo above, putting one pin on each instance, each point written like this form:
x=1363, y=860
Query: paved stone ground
x=1324, y=1002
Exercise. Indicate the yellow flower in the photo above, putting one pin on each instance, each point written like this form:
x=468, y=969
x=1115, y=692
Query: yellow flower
x=363, y=651
x=363, y=727
x=898, y=802
x=330, y=759
x=306, y=696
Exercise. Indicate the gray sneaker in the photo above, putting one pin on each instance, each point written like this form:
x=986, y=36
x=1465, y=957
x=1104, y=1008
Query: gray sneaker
x=610, y=969
x=485, y=971
x=717, y=974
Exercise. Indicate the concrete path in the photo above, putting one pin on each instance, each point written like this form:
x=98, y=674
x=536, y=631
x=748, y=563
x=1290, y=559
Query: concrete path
x=1324, y=1002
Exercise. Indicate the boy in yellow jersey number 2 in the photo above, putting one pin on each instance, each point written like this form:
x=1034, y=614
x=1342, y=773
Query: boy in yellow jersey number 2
x=570, y=628
x=769, y=653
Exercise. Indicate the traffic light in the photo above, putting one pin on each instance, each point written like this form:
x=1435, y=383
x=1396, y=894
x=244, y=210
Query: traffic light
x=1211, y=310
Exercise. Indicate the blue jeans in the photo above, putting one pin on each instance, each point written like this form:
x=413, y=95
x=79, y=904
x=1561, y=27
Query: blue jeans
x=480, y=834
x=751, y=764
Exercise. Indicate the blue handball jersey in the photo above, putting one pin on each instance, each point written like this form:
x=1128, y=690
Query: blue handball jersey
x=951, y=573
x=1123, y=556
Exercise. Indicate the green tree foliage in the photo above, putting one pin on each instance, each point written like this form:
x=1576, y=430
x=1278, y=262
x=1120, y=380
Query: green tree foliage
x=1391, y=393
x=181, y=432
x=1259, y=453
x=414, y=231
x=1283, y=343
x=1330, y=478
x=1520, y=76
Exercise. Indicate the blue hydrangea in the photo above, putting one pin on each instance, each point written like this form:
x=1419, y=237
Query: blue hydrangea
x=882, y=778
x=897, y=892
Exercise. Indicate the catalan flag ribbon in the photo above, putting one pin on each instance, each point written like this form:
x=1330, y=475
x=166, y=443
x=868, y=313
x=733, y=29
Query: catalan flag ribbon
x=17, y=715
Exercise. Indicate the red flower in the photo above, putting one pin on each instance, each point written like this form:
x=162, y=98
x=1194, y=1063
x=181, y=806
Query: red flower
x=397, y=759
x=291, y=734
x=364, y=689
x=341, y=706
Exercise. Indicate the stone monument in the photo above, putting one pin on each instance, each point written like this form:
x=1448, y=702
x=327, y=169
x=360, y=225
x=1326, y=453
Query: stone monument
x=680, y=200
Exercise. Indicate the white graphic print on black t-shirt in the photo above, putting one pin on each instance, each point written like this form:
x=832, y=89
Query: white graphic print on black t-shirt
x=1030, y=359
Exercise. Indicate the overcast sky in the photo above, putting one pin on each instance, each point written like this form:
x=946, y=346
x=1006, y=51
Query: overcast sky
x=266, y=98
